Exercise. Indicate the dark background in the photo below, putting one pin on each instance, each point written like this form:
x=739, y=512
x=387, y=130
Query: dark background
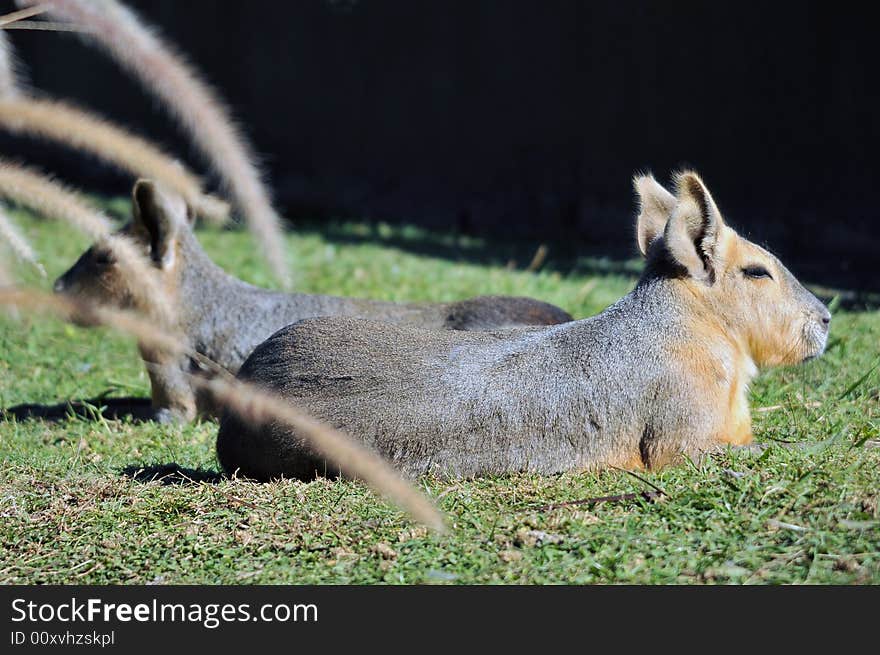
x=525, y=118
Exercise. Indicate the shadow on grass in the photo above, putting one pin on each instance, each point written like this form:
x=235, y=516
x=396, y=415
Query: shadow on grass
x=855, y=291
x=171, y=474
x=518, y=254
x=138, y=410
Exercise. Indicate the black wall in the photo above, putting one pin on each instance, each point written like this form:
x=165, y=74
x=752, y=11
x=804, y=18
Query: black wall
x=528, y=117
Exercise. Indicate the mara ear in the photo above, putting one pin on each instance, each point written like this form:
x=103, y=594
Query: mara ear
x=655, y=208
x=693, y=233
x=190, y=216
x=158, y=215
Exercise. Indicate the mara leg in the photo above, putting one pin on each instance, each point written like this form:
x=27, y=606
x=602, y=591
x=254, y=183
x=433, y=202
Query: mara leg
x=737, y=428
x=173, y=398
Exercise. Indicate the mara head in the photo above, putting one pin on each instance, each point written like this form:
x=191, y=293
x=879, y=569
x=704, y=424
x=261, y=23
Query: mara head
x=754, y=297
x=160, y=222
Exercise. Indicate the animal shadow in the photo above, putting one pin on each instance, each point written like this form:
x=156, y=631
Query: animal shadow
x=138, y=410
x=170, y=474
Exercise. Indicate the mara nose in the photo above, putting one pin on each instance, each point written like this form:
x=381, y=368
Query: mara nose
x=58, y=287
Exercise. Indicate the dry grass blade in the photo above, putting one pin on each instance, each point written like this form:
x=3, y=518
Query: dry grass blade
x=145, y=289
x=128, y=322
x=49, y=198
x=248, y=401
x=45, y=26
x=45, y=196
x=773, y=408
x=86, y=132
x=617, y=498
x=138, y=49
x=17, y=243
x=641, y=479
x=357, y=461
x=9, y=86
x=21, y=14
x=538, y=259
x=6, y=279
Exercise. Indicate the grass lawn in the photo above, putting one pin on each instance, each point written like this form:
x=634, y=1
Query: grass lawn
x=85, y=501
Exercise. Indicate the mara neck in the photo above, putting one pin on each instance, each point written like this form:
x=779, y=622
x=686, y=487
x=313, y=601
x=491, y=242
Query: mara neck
x=204, y=286
x=699, y=329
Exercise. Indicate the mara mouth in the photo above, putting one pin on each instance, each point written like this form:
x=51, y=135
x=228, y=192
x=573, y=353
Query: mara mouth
x=816, y=354
x=815, y=341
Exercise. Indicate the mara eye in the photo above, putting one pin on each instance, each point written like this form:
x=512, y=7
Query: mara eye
x=104, y=258
x=756, y=272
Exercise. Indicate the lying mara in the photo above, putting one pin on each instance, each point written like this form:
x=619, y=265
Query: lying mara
x=662, y=373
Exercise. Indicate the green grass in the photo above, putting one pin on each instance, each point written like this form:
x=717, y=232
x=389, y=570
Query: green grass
x=73, y=511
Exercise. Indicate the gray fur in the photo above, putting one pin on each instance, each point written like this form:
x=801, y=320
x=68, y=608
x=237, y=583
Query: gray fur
x=224, y=318
x=534, y=399
x=660, y=374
